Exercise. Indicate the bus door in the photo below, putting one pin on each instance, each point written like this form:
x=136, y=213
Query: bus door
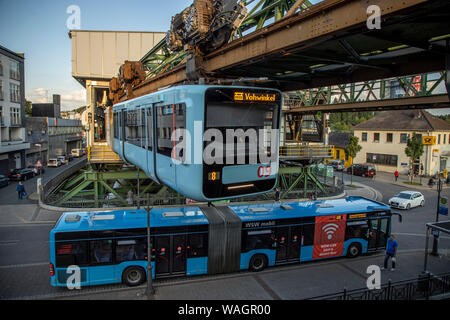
x=378, y=232
x=288, y=243
x=170, y=255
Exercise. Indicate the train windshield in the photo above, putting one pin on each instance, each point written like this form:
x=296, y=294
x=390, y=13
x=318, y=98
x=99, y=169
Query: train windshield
x=245, y=122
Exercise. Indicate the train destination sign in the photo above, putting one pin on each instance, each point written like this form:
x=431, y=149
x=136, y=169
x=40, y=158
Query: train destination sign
x=252, y=96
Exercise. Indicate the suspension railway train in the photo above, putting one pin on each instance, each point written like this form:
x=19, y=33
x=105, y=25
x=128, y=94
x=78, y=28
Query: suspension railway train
x=144, y=135
x=111, y=247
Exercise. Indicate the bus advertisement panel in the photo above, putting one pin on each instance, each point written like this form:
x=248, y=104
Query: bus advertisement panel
x=329, y=236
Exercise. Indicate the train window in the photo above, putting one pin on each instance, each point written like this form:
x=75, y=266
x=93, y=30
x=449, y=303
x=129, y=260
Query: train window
x=116, y=125
x=132, y=128
x=149, y=129
x=168, y=119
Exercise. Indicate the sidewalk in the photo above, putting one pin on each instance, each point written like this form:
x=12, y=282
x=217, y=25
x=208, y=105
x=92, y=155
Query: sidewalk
x=278, y=283
x=389, y=178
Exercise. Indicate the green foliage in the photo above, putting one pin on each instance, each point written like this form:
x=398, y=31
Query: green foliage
x=345, y=121
x=352, y=150
x=445, y=117
x=414, y=150
x=28, y=108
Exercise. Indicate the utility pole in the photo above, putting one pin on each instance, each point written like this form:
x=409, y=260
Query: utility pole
x=150, y=291
x=434, y=252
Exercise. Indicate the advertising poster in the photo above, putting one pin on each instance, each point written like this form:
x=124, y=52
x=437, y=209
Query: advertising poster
x=329, y=236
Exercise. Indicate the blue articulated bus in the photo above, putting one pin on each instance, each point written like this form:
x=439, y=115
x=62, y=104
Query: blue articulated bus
x=147, y=133
x=111, y=247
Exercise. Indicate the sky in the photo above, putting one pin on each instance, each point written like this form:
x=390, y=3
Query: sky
x=39, y=30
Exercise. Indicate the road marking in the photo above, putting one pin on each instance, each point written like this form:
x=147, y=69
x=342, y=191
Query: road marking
x=417, y=235
x=37, y=264
x=267, y=288
x=8, y=242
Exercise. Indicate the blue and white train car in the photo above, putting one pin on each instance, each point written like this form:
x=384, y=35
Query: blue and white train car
x=212, y=116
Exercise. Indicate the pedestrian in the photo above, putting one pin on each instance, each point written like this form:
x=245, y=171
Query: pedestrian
x=277, y=194
x=20, y=190
x=391, y=252
x=396, y=175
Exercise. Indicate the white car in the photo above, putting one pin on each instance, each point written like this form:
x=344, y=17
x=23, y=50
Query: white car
x=407, y=200
x=53, y=162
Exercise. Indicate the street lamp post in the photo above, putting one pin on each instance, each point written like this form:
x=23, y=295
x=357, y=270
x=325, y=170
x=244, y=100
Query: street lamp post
x=434, y=252
x=150, y=291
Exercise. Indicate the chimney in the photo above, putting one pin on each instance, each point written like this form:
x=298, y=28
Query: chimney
x=57, y=105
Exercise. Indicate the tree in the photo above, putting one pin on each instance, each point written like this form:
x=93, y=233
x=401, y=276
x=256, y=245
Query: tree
x=352, y=150
x=414, y=150
x=28, y=108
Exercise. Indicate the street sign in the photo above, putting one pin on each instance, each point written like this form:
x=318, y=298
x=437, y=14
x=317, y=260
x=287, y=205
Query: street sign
x=443, y=206
x=38, y=163
x=429, y=140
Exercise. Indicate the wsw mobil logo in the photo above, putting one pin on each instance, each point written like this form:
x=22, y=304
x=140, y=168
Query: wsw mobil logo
x=329, y=236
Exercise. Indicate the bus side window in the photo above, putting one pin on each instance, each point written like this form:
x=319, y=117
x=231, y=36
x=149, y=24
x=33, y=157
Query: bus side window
x=101, y=251
x=131, y=249
x=356, y=229
x=71, y=253
x=197, y=245
x=308, y=234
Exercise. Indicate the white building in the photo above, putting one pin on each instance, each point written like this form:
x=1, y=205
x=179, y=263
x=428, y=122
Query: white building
x=12, y=111
x=383, y=140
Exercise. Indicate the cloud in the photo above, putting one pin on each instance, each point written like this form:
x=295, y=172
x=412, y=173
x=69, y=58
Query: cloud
x=69, y=101
x=73, y=99
x=39, y=95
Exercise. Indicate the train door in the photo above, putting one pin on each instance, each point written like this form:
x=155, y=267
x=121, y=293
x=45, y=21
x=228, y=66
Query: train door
x=163, y=162
x=288, y=243
x=170, y=255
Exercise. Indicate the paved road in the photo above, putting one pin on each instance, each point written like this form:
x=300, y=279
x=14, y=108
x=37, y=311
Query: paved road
x=8, y=195
x=24, y=264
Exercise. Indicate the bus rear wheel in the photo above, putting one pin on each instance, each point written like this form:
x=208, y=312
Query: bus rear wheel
x=133, y=276
x=258, y=262
x=354, y=250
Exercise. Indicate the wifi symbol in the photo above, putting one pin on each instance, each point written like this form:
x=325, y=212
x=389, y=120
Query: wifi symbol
x=330, y=229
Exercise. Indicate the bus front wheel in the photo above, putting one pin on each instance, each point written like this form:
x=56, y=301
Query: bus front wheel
x=133, y=276
x=258, y=262
x=354, y=250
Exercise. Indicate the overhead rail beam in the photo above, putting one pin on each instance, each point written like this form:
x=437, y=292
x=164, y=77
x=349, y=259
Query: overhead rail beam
x=328, y=44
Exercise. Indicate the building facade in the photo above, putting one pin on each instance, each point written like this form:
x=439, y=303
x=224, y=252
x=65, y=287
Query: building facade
x=340, y=141
x=384, y=139
x=12, y=111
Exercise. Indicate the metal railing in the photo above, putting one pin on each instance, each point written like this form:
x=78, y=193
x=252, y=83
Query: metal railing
x=306, y=152
x=423, y=287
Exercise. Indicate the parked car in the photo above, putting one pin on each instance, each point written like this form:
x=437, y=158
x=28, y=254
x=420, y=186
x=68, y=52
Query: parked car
x=37, y=170
x=338, y=165
x=54, y=162
x=21, y=174
x=407, y=200
x=62, y=159
x=76, y=153
x=4, y=181
x=363, y=170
